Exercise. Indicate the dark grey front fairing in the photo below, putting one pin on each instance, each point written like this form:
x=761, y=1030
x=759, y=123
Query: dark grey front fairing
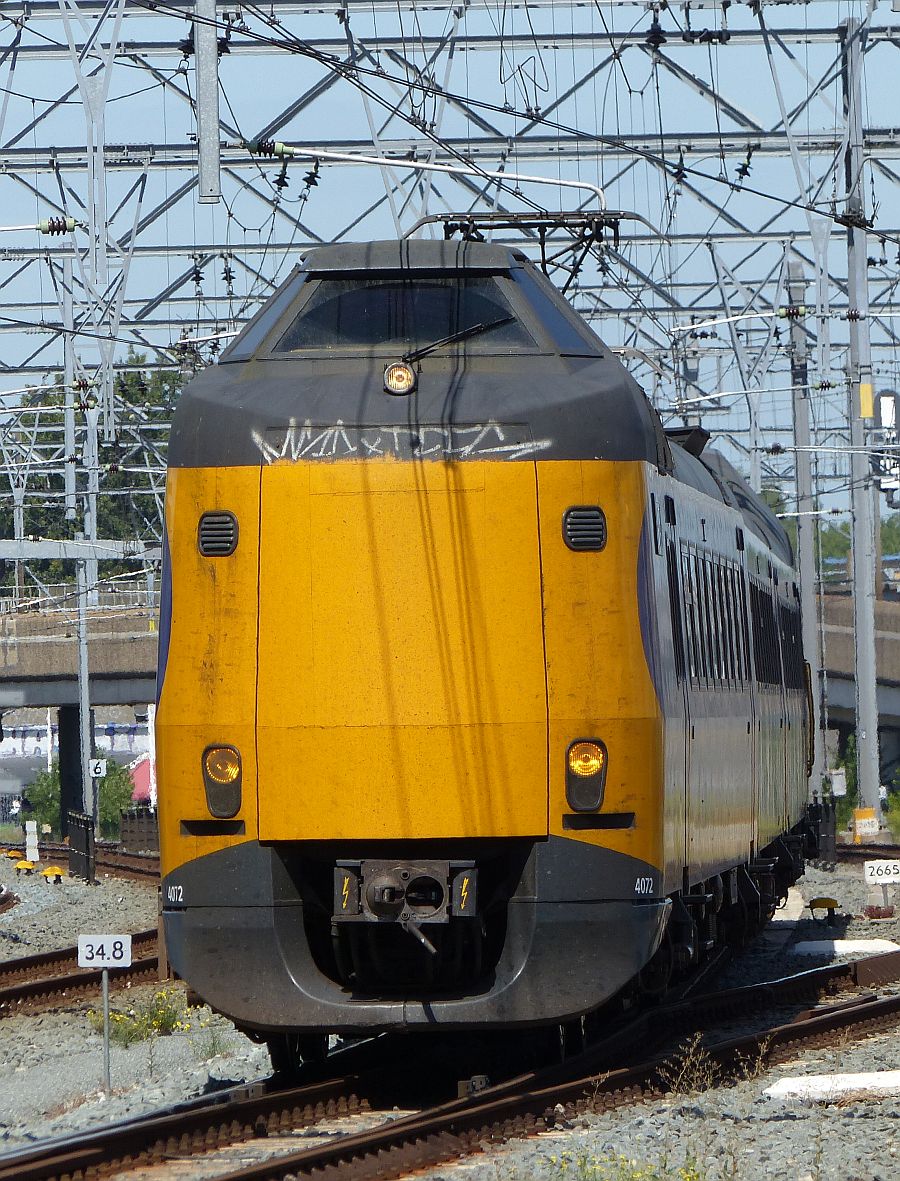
x=575, y=936
x=572, y=407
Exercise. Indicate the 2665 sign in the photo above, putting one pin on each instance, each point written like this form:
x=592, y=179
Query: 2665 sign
x=882, y=873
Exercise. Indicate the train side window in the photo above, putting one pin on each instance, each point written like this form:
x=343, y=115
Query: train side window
x=765, y=636
x=703, y=618
x=727, y=670
x=670, y=510
x=713, y=628
x=675, y=608
x=690, y=615
x=745, y=626
x=722, y=613
x=730, y=606
x=733, y=586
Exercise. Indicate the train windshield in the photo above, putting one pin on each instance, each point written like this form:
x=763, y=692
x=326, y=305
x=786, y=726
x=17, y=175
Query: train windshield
x=404, y=314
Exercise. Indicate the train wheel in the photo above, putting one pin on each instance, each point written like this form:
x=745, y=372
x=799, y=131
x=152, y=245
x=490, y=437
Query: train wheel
x=290, y=1051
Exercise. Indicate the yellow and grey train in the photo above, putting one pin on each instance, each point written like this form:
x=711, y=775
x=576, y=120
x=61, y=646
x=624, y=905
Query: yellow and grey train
x=481, y=696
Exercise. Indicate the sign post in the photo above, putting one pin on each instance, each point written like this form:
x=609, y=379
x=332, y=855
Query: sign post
x=104, y=952
x=879, y=875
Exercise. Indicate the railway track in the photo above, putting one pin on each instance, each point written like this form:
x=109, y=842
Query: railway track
x=602, y=1077
x=851, y=853
x=42, y=981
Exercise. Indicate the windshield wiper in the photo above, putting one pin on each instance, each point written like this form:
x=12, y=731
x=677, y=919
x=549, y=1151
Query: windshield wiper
x=463, y=334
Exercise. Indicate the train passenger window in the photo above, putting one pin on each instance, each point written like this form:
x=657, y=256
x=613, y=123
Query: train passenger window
x=791, y=647
x=690, y=614
x=675, y=610
x=765, y=636
x=729, y=621
x=697, y=616
x=745, y=627
x=713, y=631
x=735, y=599
x=401, y=314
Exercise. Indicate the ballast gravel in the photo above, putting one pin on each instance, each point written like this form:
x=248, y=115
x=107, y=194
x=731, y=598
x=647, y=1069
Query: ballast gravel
x=52, y=1065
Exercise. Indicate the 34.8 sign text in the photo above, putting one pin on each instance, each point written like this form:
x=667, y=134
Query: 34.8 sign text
x=104, y=951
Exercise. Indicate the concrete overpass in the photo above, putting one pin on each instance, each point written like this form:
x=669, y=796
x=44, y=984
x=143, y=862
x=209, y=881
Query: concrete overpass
x=39, y=653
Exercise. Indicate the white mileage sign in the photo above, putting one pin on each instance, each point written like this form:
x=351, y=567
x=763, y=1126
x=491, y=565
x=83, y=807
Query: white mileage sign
x=882, y=873
x=104, y=951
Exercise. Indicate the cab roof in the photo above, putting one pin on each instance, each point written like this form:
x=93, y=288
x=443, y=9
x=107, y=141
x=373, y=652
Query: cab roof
x=411, y=254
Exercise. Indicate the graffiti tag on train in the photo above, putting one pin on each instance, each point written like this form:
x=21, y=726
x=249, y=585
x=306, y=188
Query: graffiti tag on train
x=486, y=440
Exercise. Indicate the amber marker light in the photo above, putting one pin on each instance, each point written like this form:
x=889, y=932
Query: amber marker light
x=399, y=378
x=585, y=759
x=585, y=774
x=222, y=780
x=222, y=764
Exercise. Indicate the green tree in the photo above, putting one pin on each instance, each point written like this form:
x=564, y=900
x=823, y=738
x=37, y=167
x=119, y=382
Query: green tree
x=846, y=804
x=115, y=795
x=43, y=795
x=127, y=505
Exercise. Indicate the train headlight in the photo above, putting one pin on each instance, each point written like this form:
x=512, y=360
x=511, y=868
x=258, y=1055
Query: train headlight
x=399, y=378
x=585, y=774
x=222, y=780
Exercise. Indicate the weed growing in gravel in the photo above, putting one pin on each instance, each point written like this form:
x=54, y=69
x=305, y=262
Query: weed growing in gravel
x=211, y=1040
x=752, y=1066
x=690, y=1069
x=583, y=1166
x=165, y=1012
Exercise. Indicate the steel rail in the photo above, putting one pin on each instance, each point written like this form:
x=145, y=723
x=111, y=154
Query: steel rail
x=49, y=964
x=252, y=1114
x=50, y=991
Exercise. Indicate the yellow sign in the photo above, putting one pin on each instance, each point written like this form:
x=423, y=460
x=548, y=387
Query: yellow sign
x=866, y=400
x=865, y=824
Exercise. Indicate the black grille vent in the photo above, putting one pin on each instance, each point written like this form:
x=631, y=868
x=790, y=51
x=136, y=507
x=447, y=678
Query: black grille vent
x=584, y=528
x=217, y=534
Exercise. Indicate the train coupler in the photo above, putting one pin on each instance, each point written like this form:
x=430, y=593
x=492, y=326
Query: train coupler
x=377, y=891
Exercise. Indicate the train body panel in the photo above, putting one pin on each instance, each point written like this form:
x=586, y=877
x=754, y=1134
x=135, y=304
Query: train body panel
x=401, y=651
x=207, y=676
x=599, y=682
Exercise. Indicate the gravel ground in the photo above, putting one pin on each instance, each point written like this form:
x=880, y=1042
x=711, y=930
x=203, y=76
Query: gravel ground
x=50, y=917
x=55, y=1062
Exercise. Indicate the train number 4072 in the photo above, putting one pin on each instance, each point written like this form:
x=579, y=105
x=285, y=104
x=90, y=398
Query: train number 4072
x=174, y=893
x=643, y=886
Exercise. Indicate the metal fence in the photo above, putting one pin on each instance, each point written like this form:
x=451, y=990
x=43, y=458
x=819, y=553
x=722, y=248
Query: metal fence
x=139, y=832
x=81, y=846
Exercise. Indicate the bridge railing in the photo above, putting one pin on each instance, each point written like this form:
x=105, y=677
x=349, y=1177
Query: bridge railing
x=62, y=596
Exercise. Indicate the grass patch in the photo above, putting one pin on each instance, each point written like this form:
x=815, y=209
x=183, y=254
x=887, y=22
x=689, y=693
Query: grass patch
x=11, y=834
x=164, y=1013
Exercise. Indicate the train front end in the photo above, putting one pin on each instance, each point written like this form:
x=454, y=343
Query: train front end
x=409, y=740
